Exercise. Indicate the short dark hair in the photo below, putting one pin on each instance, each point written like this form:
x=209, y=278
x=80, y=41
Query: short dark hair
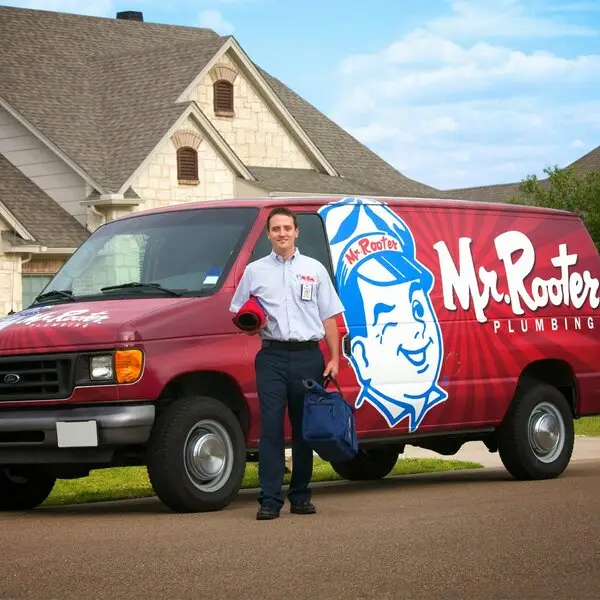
x=282, y=210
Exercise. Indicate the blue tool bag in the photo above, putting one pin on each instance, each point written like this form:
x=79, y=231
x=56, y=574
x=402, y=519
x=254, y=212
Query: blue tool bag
x=328, y=424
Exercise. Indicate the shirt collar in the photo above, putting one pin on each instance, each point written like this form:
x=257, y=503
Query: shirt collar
x=278, y=258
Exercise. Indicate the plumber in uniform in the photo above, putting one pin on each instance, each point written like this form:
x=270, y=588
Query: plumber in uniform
x=301, y=304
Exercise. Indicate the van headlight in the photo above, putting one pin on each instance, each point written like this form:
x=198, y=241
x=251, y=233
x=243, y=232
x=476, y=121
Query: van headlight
x=119, y=366
x=101, y=368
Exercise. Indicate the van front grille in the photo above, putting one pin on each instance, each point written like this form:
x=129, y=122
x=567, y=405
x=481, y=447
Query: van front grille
x=41, y=377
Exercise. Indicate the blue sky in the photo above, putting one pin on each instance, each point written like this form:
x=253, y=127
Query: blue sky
x=452, y=93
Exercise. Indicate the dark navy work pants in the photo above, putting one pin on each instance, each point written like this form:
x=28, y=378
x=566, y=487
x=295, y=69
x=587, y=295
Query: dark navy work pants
x=279, y=374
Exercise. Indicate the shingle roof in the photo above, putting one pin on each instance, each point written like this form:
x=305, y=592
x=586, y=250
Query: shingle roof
x=307, y=181
x=47, y=222
x=104, y=91
x=485, y=193
x=588, y=162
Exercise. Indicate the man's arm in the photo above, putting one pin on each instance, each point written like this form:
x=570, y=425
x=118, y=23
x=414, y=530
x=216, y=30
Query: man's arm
x=242, y=292
x=333, y=344
x=330, y=306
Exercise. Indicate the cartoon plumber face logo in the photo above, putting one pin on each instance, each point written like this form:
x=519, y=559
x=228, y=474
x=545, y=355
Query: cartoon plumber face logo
x=396, y=342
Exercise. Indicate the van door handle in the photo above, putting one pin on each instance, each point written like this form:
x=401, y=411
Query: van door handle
x=346, y=349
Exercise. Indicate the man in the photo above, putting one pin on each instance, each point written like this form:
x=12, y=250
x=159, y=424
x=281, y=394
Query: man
x=301, y=304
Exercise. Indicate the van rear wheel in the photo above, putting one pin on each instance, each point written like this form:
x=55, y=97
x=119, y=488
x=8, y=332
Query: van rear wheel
x=197, y=455
x=536, y=438
x=371, y=464
x=24, y=487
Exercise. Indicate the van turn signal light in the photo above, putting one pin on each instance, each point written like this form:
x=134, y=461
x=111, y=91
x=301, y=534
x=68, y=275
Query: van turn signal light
x=128, y=365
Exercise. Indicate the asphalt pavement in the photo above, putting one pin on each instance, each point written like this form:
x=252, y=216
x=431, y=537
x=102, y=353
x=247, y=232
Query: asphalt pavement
x=465, y=535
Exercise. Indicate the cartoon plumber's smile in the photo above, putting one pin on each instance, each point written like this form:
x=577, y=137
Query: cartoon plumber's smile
x=416, y=357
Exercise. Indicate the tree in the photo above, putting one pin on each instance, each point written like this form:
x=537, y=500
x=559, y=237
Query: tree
x=565, y=189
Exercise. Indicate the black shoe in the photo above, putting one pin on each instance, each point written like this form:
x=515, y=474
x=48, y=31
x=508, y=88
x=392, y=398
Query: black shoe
x=266, y=513
x=303, y=508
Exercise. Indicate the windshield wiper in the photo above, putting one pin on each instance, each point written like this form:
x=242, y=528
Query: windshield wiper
x=137, y=284
x=68, y=294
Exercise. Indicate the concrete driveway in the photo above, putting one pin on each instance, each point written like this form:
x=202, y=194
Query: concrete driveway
x=465, y=535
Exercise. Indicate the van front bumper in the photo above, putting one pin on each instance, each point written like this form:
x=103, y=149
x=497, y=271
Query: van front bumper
x=75, y=434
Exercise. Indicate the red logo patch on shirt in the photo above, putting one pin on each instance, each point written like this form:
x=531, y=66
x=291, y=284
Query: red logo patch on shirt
x=307, y=278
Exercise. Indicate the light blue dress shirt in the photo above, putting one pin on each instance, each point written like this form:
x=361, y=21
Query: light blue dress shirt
x=278, y=285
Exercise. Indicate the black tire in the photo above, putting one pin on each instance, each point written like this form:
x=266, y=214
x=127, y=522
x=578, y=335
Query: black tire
x=24, y=487
x=367, y=465
x=173, y=479
x=523, y=457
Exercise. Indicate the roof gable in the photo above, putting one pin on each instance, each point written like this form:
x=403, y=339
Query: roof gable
x=273, y=101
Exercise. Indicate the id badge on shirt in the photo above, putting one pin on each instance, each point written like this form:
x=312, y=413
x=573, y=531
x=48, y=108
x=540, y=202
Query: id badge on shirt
x=307, y=291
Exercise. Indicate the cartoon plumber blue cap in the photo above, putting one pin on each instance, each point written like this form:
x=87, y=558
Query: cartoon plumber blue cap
x=370, y=242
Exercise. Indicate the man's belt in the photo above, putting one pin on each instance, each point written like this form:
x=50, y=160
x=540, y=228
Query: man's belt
x=290, y=345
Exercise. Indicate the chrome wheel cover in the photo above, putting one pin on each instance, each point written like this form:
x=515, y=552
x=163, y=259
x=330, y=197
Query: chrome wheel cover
x=546, y=432
x=208, y=455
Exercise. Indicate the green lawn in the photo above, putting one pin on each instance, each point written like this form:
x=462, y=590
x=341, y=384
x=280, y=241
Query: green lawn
x=588, y=426
x=132, y=482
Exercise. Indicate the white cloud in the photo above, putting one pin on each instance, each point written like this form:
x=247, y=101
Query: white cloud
x=502, y=18
x=453, y=113
x=213, y=19
x=93, y=8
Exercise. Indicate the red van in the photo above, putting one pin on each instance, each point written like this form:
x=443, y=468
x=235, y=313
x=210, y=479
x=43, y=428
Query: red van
x=464, y=321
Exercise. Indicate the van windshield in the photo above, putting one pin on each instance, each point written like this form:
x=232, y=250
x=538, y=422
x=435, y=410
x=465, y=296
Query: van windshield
x=182, y=253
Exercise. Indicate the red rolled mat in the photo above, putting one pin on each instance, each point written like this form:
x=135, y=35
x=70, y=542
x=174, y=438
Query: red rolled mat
x=251, y=316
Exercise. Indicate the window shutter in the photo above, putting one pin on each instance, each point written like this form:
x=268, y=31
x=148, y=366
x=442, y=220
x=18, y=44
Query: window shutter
x=187, y=164
x=223, y=93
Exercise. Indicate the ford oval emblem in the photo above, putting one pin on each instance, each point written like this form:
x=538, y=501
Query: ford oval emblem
x=12, y=378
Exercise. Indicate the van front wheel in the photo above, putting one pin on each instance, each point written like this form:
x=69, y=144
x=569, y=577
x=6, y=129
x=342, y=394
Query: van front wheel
x=536, y=438
x=24, y=487
x=197, y=455
x=367, y=465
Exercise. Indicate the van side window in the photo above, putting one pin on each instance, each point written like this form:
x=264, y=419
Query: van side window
x=311, y=241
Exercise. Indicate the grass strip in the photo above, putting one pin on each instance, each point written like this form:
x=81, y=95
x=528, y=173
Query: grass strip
x=132, y=482
x=587, y=426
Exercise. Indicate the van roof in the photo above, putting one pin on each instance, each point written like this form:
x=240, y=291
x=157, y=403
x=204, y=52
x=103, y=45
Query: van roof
x=431, y=203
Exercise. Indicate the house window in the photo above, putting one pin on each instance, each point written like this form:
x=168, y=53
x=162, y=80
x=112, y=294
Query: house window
x=187, y=165
x=32, y=286
x=223, y=97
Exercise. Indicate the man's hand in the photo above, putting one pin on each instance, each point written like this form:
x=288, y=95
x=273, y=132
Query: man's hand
x=332, y=368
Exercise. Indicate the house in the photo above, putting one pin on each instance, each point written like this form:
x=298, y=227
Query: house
x=100, y=117
x=505, y=191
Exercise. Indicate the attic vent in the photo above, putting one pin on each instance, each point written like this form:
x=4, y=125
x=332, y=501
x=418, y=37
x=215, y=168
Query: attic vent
x=130, y=15
x=223, y=97
x=187, y=165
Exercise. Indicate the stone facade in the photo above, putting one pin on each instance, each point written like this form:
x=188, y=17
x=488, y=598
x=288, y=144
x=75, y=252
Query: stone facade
x=158, y=185
x=253, y=131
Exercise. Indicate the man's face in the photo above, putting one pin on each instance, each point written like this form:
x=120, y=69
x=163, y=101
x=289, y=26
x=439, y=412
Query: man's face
x=282, y=233
x=403, y=340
